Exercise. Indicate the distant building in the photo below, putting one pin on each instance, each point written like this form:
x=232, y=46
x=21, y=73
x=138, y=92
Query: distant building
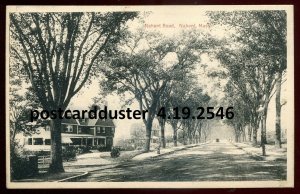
x=137, y=139
x=155, y=135
x=75, y=132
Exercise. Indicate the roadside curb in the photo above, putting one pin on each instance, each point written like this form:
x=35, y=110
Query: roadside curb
x=254, y=155
x=104, y=168
x=73, y=177
x=84, y=174
x=260, y=157
x=171, y=152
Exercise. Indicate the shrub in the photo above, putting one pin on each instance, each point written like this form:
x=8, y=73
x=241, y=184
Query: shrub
x=115, y=152
x=22, y=166
x=82, y=149
x=69, y=153
x=37, y=153
x=101, y=148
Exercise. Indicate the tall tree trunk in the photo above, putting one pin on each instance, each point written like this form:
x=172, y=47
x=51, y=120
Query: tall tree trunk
x=236, y=133
x=184, y=138
x=148, y=134
x=264, y=127
x=199, y=131
x=243, y=133
x=14, y=132
x=163, y=139
x=162, y=124
x=175, y=137
x=254, y=136
x=263, y=135
x=189, y=136
x=12, y=138
x=56, y=147
x=250, y=132
x=278, y=112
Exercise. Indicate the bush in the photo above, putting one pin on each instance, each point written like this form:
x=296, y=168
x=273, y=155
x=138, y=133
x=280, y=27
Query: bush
x=22, y=166
x=69, y=153
x=115, y=152
x=101, y=148
x=37, y=153
x=82, y=149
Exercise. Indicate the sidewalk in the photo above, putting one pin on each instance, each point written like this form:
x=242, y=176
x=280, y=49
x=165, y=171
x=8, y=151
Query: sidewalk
x=170, y=150
x=45, y=177
x=74, y=169
x=272, y=153
x=90, y=162
x=97, y=161
x=87, y=162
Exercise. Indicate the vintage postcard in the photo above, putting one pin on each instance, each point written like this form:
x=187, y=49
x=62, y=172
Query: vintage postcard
x=150, y=96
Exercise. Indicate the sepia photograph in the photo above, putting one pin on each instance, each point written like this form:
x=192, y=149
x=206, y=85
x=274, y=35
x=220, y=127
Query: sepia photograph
x=150, y=96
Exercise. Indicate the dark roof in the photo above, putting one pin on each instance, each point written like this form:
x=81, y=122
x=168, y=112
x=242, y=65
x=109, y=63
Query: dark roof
x=69, y=121
x=90, y=122
x=106, y=122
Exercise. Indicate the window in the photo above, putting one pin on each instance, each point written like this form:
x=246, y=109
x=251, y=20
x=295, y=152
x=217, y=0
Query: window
x=101, y=141
x=98, y=129
x=47, y=128
x=83, y=141
x=38, y=141
x=102, y=130
x=79, y=130
x=76, y=141
x=29, y=141
x=69, y=128
x=109, y=141
x=107, y=130
x=47, y=141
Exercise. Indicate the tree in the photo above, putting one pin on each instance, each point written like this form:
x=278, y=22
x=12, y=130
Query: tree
x=206, y=131
x=142, y=69
x=177, y=97
x=16, y=118
x=195, y=98
x=164, y=102
x=242, y=112
x=162, y=124
x=137, y=134
x=253, y=77
x=58, y=53
x=19, y=105
x=262, y=35
x=184, y=99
